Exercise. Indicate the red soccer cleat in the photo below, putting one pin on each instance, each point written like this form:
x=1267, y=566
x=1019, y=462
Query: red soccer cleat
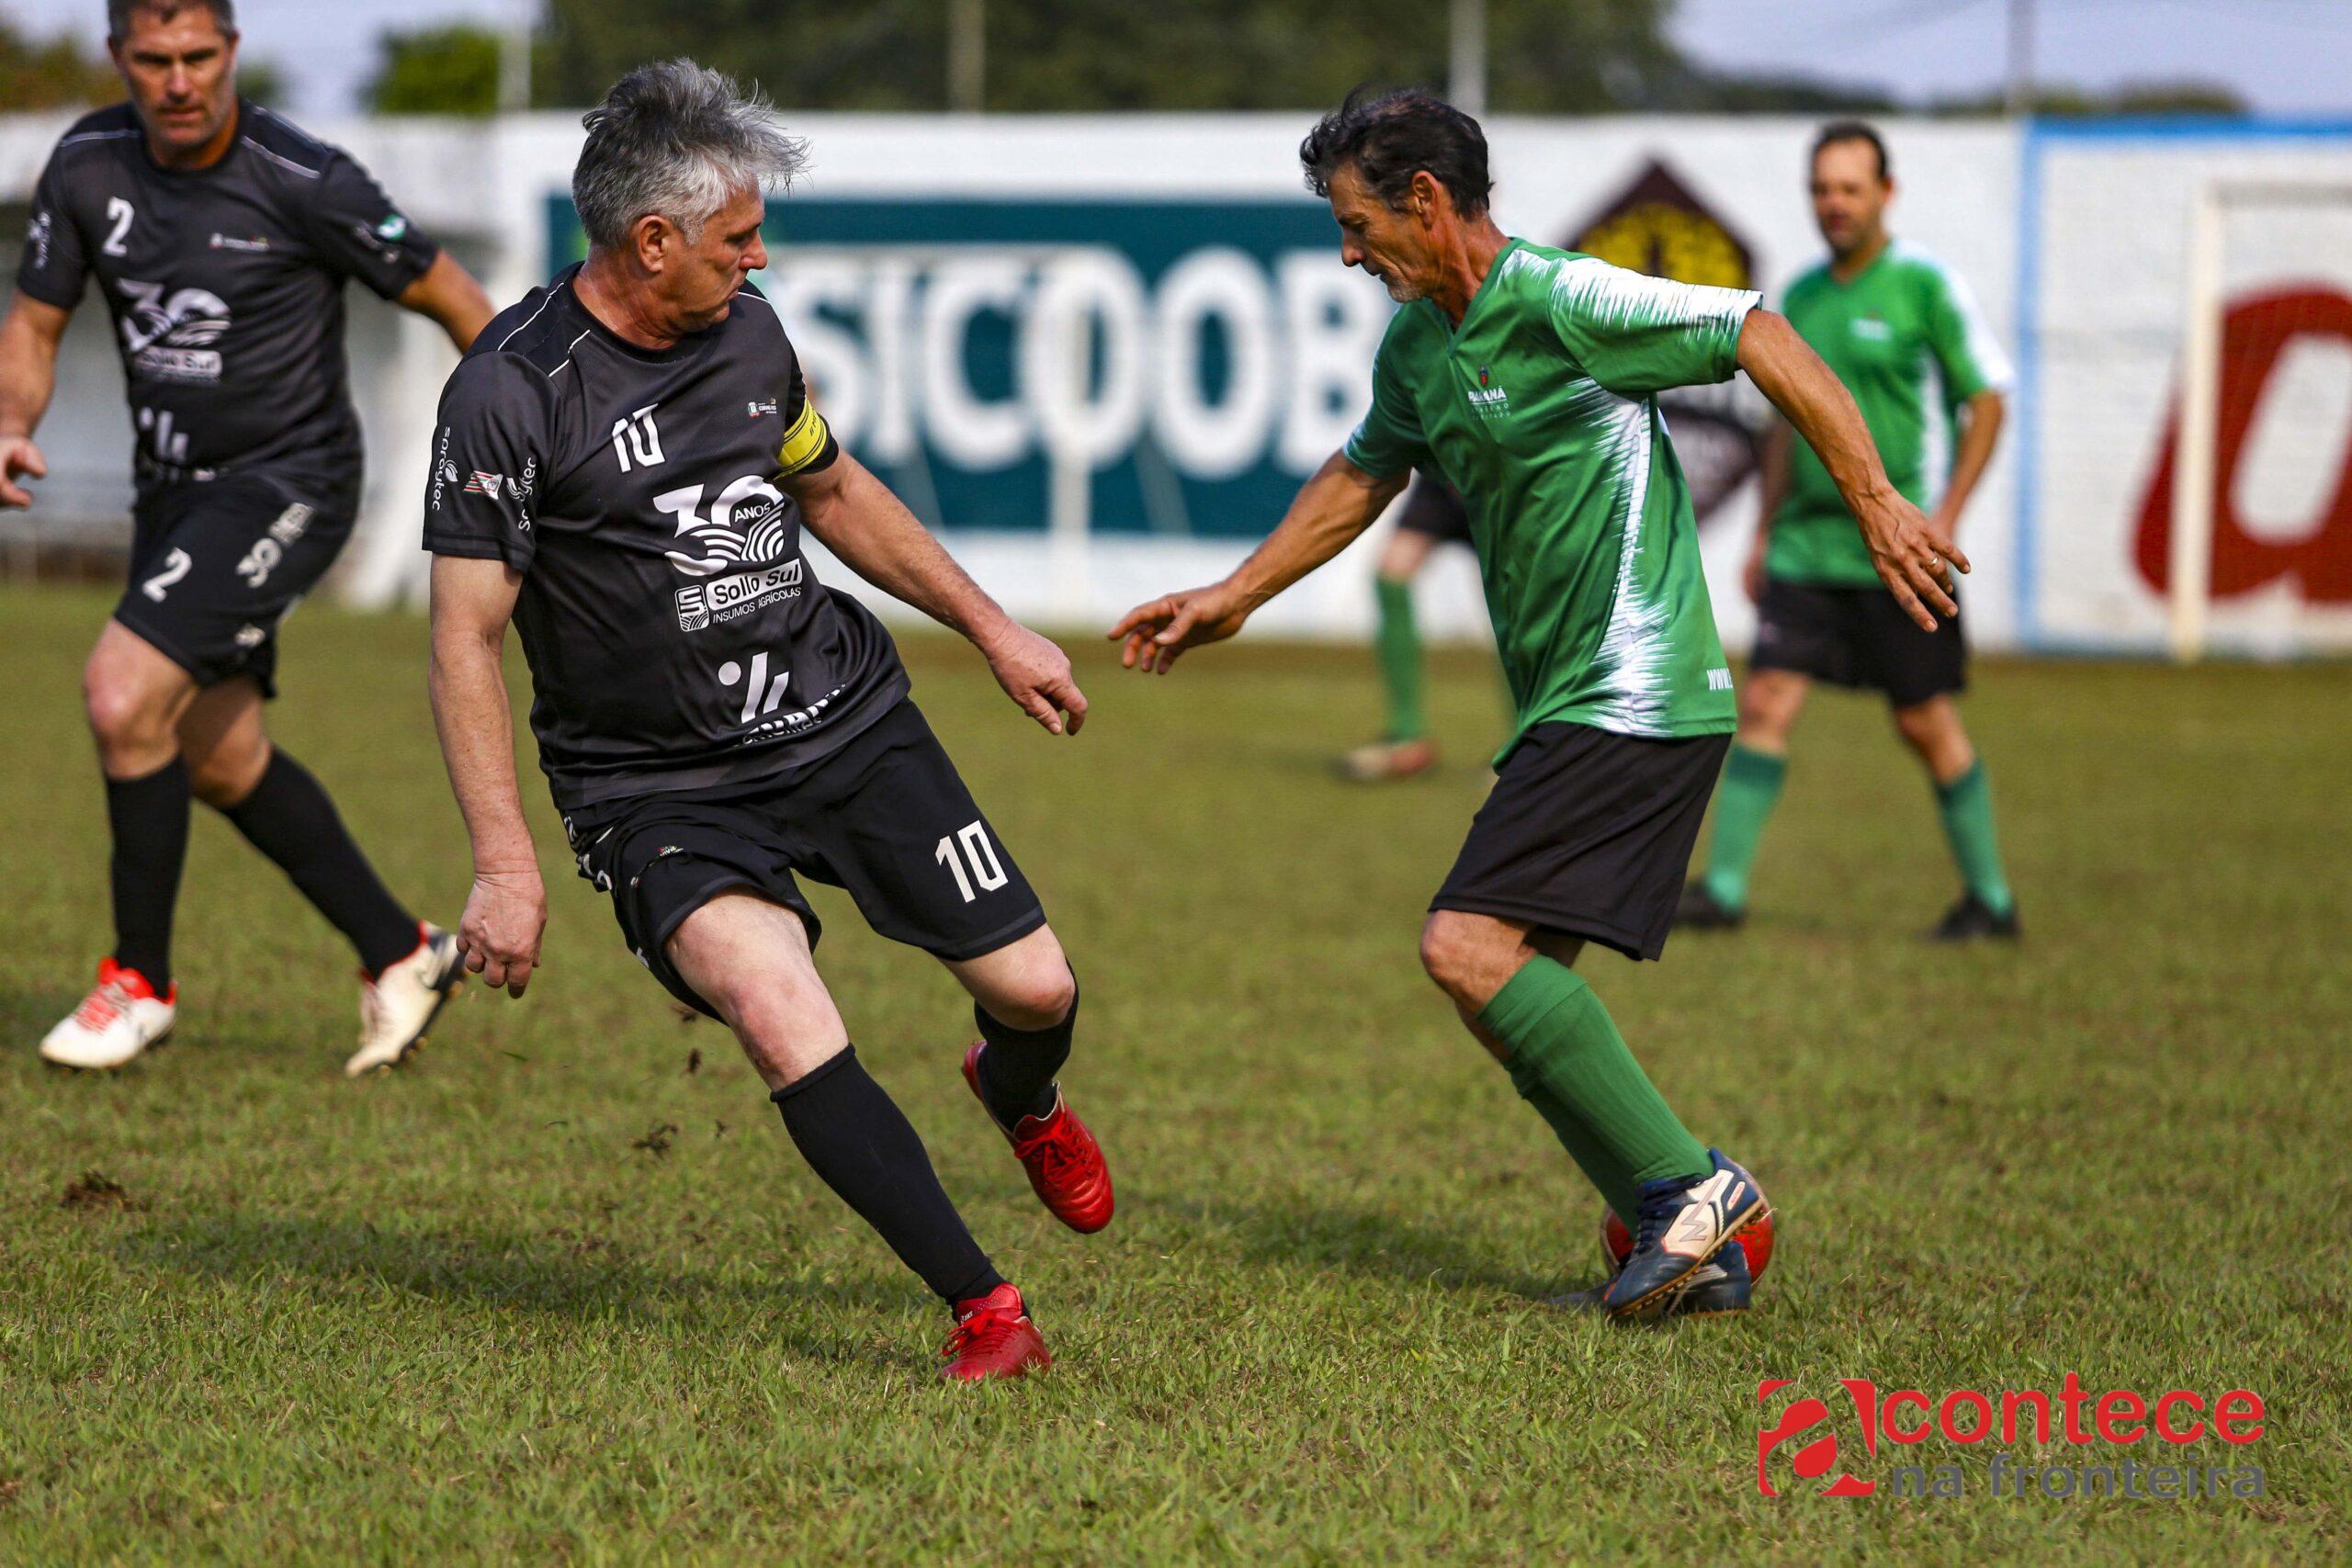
x=1064, y=1162
x=993, y=1338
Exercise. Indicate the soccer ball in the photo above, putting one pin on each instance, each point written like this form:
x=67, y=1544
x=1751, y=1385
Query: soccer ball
x=1755, y=1239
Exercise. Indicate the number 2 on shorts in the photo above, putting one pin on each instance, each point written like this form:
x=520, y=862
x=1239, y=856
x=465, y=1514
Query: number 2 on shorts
x=986, y=870
x=176, y=566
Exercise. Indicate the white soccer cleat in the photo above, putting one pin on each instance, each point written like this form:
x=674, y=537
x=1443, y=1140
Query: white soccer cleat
x=117, y=1020
x=398, y=1006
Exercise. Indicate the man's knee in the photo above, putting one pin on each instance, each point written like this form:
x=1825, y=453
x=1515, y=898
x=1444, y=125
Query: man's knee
x=1468, y=955
x=225, y=775
x=124, y=707
x=1037, y=990
x=1930, y=727
x=1769, y=704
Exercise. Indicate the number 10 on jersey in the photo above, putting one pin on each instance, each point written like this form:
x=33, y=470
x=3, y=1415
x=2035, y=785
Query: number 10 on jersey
x=972, y=841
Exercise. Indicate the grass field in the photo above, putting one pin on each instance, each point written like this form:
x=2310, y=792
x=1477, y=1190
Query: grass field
x=563, y=1291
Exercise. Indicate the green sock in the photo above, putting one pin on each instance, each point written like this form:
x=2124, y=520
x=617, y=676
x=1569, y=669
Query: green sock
x=1400, y=659
x=1966, y=807
x=1591, y=1158
x=1751, y=783
x=1611, y=1118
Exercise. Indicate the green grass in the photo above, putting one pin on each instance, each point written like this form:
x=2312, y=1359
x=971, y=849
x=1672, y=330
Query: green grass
x=463, y=1312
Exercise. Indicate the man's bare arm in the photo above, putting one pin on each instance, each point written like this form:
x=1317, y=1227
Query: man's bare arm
x=858, y=519
x=1980, y=433
x=447, y=294
x=1908, y=551
x=28, y=339
x=1331, y=509
x=472, y=602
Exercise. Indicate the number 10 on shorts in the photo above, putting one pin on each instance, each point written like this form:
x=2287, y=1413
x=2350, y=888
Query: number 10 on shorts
x=970, y=843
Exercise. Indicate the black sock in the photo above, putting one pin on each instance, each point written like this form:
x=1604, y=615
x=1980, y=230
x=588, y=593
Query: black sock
x=289, y=817
x=861, y=1143
x=1017, y=1069
x=149, y=820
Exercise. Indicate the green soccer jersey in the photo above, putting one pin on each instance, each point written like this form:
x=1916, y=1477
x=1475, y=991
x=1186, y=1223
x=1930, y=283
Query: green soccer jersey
x=1541, y=409
x=1908, y=341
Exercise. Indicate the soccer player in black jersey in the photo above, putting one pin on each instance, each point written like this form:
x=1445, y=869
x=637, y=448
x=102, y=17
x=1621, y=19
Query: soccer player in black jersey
x=622, y=468
x=221, y=238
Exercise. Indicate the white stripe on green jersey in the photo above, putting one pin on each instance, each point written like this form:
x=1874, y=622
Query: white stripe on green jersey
x=1541, y=409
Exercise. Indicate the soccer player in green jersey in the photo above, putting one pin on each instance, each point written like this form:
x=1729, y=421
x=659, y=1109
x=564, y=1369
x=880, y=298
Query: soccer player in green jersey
x=1527, y=377
x=1906, y=336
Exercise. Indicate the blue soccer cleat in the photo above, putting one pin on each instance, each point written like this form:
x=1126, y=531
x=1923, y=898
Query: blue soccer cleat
x=1717, y=1288
x=1684, y=1222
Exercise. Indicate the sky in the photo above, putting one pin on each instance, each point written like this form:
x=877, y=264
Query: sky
x=2283, y=56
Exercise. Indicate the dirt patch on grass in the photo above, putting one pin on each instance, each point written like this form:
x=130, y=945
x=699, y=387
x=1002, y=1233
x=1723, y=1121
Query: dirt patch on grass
x=95, y=1189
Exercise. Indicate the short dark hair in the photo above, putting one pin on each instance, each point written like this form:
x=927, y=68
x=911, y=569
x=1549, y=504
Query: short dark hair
x=1838, y=130
x=119, y=13
x=1387, y=137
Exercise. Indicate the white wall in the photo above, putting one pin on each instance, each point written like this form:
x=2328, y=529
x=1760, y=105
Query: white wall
x=2089, y=225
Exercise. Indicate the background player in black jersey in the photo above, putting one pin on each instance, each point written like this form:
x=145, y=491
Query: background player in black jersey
x=622, y=468
x=222, y=237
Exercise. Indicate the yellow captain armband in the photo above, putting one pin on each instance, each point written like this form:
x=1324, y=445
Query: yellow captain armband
x=804, y=442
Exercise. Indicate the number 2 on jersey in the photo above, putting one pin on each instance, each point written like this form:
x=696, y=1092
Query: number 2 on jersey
x=986, y=870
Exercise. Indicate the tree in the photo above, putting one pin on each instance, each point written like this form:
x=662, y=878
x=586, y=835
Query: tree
x=444, y=70
x=873, y=55
x=2061, y=101
x=1050, y=56
x=53, y=73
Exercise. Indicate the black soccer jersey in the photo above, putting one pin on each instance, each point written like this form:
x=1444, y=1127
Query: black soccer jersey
x=677, y=640
x=226, y=288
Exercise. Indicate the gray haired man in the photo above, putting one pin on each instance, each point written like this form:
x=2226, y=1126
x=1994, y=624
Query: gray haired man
x=623, y=467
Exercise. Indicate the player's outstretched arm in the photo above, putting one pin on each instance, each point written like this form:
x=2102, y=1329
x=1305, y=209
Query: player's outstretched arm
x=28, y=339
x=859, y=520
x=447, y=294
x=472, y=602
x=1909, y=551
x=1331, y=509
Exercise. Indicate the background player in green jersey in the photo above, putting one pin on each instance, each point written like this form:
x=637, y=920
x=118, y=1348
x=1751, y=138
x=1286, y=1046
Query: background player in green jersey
x=1430, y=514
x=1907, y=337
x=1528, y=377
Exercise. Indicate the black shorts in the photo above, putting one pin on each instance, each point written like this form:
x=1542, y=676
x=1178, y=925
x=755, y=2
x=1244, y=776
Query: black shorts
x=1858, y=636
x=1433, y=507
x=216, y=564
x=886, y=817
x=1588, y=833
